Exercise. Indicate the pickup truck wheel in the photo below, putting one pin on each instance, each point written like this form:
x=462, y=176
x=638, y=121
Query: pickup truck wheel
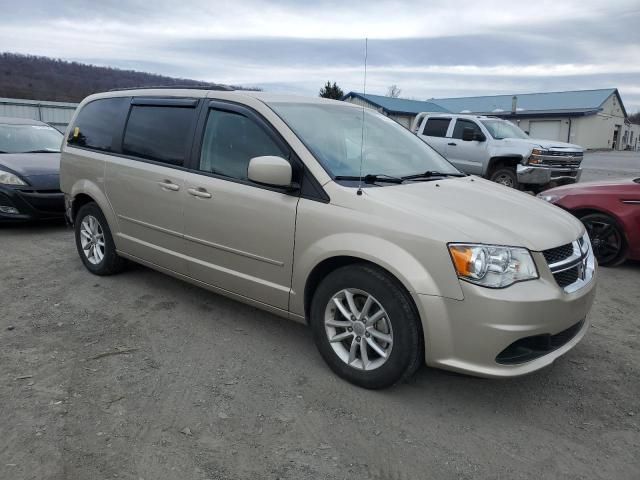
x=607, y=239
x=366, y=327
x=505, y=176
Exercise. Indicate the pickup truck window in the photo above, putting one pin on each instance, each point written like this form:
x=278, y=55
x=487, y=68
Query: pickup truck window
x=461, y=125
x=436, y=127
x=501, y=129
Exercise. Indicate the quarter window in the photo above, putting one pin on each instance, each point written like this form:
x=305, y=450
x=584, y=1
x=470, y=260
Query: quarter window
x=436, y=127
x=159, y=133
x=230, y=141
x=99, y=124
x=461, y=125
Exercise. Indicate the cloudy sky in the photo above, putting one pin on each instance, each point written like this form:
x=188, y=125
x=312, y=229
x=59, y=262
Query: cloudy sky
x=434, y=48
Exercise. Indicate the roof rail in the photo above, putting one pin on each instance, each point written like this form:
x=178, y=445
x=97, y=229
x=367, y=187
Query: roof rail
x=224, y=88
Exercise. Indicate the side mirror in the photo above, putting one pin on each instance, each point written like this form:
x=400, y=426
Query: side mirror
x=469, y=134
x=270, y=170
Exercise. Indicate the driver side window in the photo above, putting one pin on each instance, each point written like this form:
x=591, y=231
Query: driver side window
x=230, y=141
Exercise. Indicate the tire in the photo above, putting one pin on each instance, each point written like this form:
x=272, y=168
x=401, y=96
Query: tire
x=505, y=176
x=100, y=258
x=607, y=239
x=396, y=331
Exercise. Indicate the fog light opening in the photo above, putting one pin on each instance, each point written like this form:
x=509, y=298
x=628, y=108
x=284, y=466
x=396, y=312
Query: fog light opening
x=9, y=210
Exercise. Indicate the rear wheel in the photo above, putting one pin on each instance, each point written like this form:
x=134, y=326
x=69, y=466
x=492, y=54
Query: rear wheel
x=505, y=176
x=366, y=327
x=607, y=239
x=94, y=242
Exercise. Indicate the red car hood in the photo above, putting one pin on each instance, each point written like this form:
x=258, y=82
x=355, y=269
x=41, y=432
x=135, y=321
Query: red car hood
x=586, y=187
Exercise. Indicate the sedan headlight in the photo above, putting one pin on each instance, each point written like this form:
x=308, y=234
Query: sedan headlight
x=7, y=178
x=548, y=197
x=492, y=266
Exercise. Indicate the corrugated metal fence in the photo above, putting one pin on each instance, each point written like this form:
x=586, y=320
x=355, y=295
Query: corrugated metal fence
x=56, y=114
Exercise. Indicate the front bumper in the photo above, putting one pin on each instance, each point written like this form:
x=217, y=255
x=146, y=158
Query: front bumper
x=30, y=204
x=542, y=175
x=474, y=335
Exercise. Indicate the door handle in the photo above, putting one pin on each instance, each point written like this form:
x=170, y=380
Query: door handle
x=199, y=192
x=453, y=144
x=169, y=185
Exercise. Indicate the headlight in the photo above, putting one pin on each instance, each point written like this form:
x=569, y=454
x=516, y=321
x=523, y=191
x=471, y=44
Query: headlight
x=492, y=266
x=534, y=158
x=7, y=178
x=548, y=198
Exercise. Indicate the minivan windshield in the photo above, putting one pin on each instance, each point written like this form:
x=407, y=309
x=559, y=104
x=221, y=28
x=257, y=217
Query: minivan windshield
x=334, y=134
x=16, y=138
x=501, y=129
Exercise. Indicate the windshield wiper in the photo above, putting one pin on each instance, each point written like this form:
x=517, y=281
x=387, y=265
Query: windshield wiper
x=372, y=178
x=42, y=150
x=431, y=174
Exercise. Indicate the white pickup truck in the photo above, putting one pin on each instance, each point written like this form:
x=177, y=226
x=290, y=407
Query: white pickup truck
x=498, y=150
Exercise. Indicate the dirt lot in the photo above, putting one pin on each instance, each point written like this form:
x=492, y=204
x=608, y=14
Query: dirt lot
x=143, y=376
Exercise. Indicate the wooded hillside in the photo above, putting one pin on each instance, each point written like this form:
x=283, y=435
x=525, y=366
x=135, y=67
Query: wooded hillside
x=43, y=78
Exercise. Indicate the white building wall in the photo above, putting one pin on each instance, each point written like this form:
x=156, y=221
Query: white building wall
x=57, y=114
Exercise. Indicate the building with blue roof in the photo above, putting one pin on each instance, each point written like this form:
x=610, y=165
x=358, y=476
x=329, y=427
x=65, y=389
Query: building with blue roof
x=594, y=119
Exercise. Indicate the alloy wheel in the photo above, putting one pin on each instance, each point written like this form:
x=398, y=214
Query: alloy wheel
x=358, y=329
x=92, y=239
x=606, y=239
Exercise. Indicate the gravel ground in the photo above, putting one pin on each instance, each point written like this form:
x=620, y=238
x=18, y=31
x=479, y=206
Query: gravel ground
x=140, y=376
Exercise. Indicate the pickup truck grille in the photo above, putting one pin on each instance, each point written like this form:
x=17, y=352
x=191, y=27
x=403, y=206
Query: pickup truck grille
x=561, y=159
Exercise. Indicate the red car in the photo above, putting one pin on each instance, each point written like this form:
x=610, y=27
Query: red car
x=610, y=211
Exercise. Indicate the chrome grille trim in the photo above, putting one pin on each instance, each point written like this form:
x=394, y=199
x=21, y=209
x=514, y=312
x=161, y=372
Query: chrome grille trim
x=581, y=258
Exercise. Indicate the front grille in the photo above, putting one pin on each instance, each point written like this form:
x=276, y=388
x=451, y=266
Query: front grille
x=556, y=153
x=567, y=277
x=558, y=254
x=572, y=265
x=530, y=348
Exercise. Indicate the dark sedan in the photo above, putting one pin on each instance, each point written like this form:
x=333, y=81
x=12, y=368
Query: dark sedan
x=29, y=170
x=610, y=211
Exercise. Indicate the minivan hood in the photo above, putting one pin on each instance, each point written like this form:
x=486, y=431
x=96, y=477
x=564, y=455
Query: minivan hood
x=472, y=209
x=544, y=144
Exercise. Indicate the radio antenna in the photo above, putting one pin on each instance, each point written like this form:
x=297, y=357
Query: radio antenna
x=364, y=93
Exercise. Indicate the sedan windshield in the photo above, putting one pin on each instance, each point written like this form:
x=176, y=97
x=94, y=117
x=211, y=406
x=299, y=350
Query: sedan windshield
x=335, y=135
x=501, y=129
x=29, y=138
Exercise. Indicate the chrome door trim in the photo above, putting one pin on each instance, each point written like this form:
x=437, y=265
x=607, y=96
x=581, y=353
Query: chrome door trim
x=234, y=250
x=149, y=225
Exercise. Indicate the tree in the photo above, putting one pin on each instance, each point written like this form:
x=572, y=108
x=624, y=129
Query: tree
x=635, y=118
x=331, y=91
x=393, y=91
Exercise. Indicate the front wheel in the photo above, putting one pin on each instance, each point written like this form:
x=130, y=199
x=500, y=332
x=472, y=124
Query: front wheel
x=607, y=239
x=366, y=327
x=505, y=176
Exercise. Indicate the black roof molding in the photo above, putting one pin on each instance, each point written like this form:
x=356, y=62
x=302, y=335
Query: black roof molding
x=224, y=88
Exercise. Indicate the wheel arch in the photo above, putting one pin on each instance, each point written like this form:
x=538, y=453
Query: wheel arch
x=84, y=192
x=497, y=162
x=331, y=264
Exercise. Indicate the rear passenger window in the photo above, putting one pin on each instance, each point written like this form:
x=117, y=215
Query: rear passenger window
x=436, y=127
x=99, y=124
x=230, y=141
x=159, y=133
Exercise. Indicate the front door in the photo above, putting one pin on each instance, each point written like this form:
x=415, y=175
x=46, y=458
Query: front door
x=239, y=236
x=470, y=155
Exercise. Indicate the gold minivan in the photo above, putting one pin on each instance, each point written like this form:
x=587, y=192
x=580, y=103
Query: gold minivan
x=332, y=215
